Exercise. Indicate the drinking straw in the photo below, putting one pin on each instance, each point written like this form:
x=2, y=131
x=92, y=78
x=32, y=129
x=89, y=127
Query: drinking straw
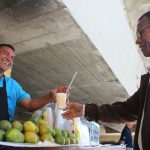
x=71, y=82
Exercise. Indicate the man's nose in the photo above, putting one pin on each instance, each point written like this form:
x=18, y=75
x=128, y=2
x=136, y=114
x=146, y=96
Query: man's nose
x=138, y=40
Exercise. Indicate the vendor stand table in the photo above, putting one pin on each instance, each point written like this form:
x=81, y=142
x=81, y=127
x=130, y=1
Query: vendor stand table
x=11, y=146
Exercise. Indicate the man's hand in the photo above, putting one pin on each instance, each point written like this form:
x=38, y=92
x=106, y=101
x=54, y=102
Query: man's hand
x=52, y=93
x=73, y=110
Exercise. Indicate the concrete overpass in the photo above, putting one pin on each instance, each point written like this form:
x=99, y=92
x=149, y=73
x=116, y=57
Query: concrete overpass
x=56, y=38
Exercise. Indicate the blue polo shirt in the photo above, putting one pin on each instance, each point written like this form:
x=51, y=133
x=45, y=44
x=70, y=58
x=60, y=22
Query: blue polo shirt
x=15, y=94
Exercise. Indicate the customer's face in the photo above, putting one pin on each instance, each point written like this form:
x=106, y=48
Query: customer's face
x=143, y=36
x=6, y=58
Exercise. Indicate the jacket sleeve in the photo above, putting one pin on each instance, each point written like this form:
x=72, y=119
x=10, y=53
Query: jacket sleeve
x=118, y=112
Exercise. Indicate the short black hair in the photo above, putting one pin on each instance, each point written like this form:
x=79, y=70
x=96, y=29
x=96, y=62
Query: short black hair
x=147, y=14
x=7, y=45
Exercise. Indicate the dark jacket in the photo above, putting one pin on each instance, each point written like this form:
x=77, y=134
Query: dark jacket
x=128, y=111
x=126, y=137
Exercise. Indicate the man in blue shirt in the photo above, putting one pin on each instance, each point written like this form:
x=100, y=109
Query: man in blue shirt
x=11, y=93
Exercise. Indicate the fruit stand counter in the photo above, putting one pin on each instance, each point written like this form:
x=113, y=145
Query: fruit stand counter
x=10, y=146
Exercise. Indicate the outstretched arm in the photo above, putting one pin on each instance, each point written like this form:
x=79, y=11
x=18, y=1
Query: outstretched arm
x=118, y=112
x=33, y=104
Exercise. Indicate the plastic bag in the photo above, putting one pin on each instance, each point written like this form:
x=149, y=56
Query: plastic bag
x=59, y=121
x=74, y=127
x=49, y=116
x=45, y=113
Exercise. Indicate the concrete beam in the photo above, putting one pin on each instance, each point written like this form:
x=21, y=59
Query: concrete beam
x=106, y=25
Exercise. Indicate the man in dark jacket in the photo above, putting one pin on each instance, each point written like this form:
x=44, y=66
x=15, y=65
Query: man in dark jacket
x=135, y=108
x=126, y=136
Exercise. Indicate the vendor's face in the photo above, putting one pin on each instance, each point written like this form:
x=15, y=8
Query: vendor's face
x=143, y=36
x=6, y=58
